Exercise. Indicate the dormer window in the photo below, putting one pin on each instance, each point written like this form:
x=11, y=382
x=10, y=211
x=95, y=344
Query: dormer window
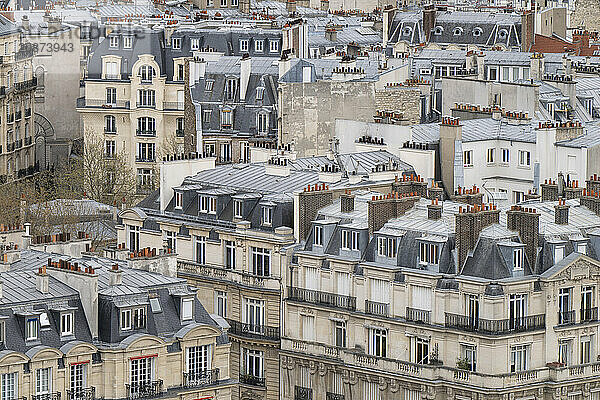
x=125, y=320
x=176, y=43
x=262, y=122
x=267, y=215
x=274, y=46
x=113, y=41
x=429, y=253
x=208, y=204
x=438, y=30
x=502, y=34
x=230, y=88
x=386, y=247
x=226, y=119
x=582, y=248
x=457, y=31
x=44, y=321
x=31, y=329
x=178, y=200
x=2, y=332
x=258, y=46
x=127, y=40
x=350, y=240
x=209, y=85
x=260, y=93
x=244, y=45
x=518, y=259
x=187, y=309
x=194, y=44
x=238, y=209
x=477, y=32
x=407, y=31
x=318, y=236
x=559, y=253
x=66, y=324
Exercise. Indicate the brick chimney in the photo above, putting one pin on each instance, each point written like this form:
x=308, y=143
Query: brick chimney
x=410, y=184
x=591, y=200
x=593, y=184
x=549, y=190
x=324, y=5
x=526, y=221
x=428, y=20
x=115, y=276
x=290, y=5
x=331, y=33
x=347, y=201
x=572, y=190
x=537, y=66
x=310, y=201
x=385, y=207
x=41, y=281
x=468, y=196
x=527, y=30
x=561, y=212
x=434, y=210
x=435, y=192
x=470, y=221
x=451, y=154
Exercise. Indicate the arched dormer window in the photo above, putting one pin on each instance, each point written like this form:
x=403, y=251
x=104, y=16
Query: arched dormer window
x=407, y=31
x=438, y=30
x=477, y=31
x=457, y=31
x=502, y=34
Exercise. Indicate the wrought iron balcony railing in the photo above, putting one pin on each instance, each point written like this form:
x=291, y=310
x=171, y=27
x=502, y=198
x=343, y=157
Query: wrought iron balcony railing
x=144, y=390
x=253, y=330
x=46, y=396
x=416, y=315
x=588, y=314
x=81, y=394
x=495, y=327
x=302, y=393
x=252, y=380
x=373, y=307
x=200, y=378
x=322, y=298
x=566, y=317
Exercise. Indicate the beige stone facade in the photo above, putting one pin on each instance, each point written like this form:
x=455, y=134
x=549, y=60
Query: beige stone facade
x=228, y=286
x=140, y=114
x=396, y=350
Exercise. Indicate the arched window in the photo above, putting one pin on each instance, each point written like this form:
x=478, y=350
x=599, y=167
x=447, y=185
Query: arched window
x=438, y=30
x=457, y=31
x=146, y=126
x=40, y=74
x=146, y=73
x=477, y=31
x=407, y=31
x=502, y=34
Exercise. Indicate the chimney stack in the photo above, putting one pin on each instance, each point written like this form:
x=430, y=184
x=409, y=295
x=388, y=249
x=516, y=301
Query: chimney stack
x=526, y=221
x=561, y=212
x=385, y=207
x=347, y=201
x=115, y=276
x=435, y=192
x=428, y=20
x=451, y=154
x=549, y=190
x=245, y=71
x=41, y=282
x=290, y=5
x=470, y=221
x=310, y=201
x=434, y=210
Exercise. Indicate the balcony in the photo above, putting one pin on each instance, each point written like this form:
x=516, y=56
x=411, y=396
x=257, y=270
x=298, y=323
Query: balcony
x=145, y=159
x=419, y=316
x=25, y=85
x=253, y=331
x=115, y=77
x=146, y=132
x=18, y=115
x=10, y=147
x=252, y=380
x=375, y=308
x=495, y=327
x=566, y=317
x=179, y=133
x=10, y=118
x=145, y=105
x=302, y=393
x=333, y=396
x=200, y=378
x=322, y=298
x=110, y=131
x=588, y=315
x=82, y=394
x=144, y=390
x=18, y=143
x=46, y=396
x=102, y=103
x=173, y=105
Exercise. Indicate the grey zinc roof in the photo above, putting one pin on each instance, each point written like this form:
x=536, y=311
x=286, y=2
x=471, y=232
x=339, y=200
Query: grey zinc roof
x=477, y=129
x=7, y=26
x=20, y=287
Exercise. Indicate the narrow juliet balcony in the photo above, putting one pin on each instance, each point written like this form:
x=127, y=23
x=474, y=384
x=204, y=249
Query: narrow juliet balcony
x=375, y=308
x=144, y=390
x=588, y=314
x=419, y=316
x=200, y=378
x=302, y=393
x=253, y=330
x=81, y=394
x=252, y=380
x=46, y=396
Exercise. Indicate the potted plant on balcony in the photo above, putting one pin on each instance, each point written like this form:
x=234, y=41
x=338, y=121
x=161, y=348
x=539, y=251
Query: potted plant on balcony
x=463, y=363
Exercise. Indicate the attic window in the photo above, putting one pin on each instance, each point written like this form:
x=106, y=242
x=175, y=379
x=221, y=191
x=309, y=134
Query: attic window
x=438, y=30
x=187, y=309
x=209, y=85
x=194, y=43
x=66, y=324
x=208, y=204
x=349, y=240
x=477, y=32
x=178, y=200
x=429, y=253
x=114, y=41
x=386, y=247
x=502, y=33
x=407, y=31
x=260, y=93
x=318, y=235
x=267, y=215
x=582, y=248
x=155, y=305
x=31, y=329
x=457, y=31
x=44, y=321
x=127, y=40
x=237, y=209
x=517, y=259
x=559, y=253
x=176, y=43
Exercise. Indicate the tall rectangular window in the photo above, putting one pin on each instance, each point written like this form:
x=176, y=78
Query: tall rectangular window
x=134, y=238
x=420, y=350
x=505, y=156
x=254, y=314
x=318, y=235
x=66, y=324
x=221, y=303
x=198, y=361
x=254, y=361
x=469, y=356
x=229, y=254
x=200, y=249
x=237, y=209
x=187, y=309
x=141, y=375
x=491, y=156
x=339, y=337
x=171, y=240
x=43, y=381
x=564, y=351
x=9, y=390
x=111, y=96
x=125, y=320
x=517, y=310
x=585, y=349
x=308, y=328
x=311, y=278
x=378, y=342
x=31, y=329
x=468, y=158
x=565, y=296
x=261, y=261
x=78, y=378
x=519, y=355
x=524, y=158
x=343, y=283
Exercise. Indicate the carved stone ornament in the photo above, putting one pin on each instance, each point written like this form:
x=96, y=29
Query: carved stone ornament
x=394, y=386
x=312, y=367
x=322, y=369
x=383, y=384
x=249, y=395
